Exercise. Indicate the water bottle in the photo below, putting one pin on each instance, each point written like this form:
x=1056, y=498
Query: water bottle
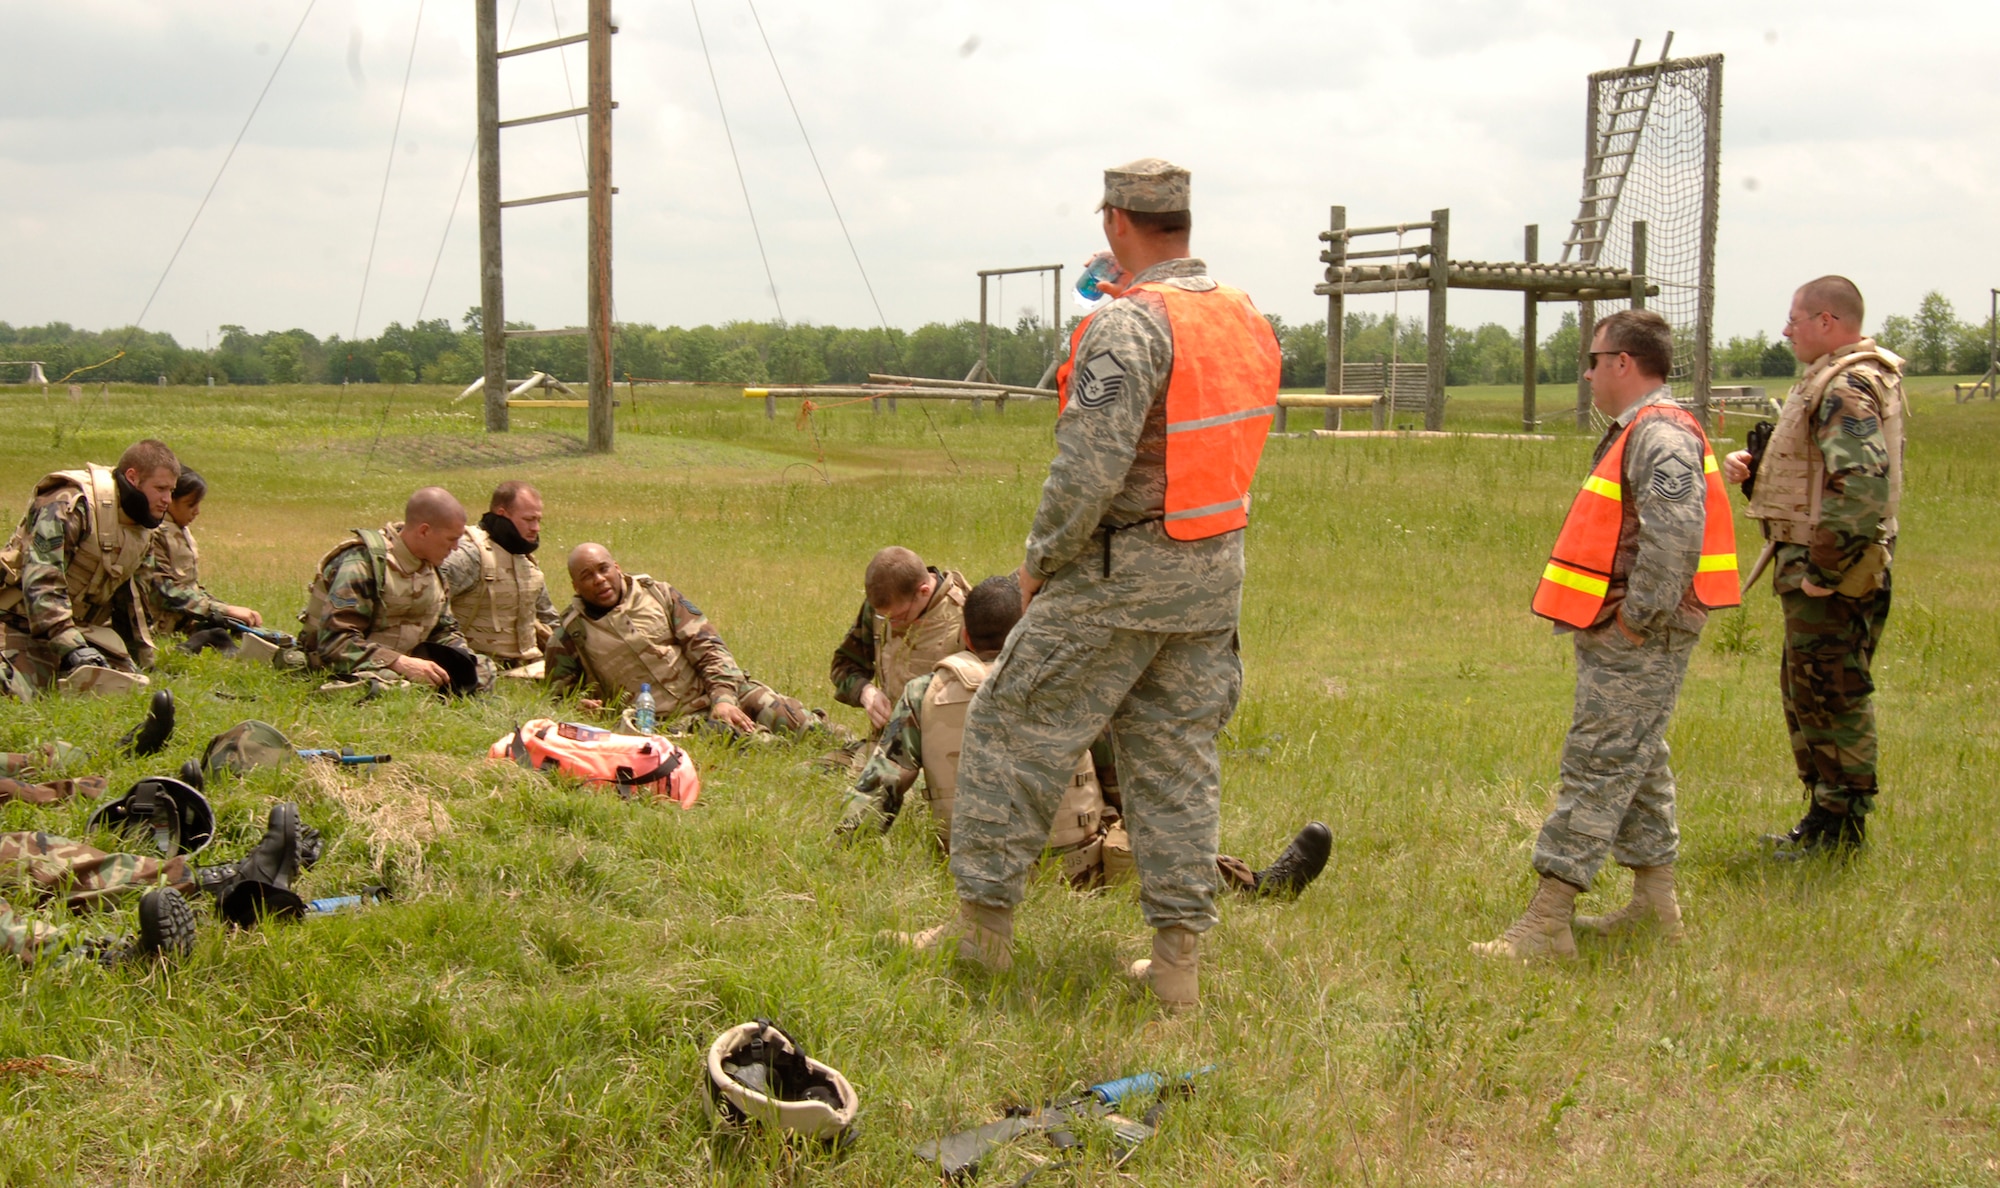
x=1102, y=267
x=643, y=709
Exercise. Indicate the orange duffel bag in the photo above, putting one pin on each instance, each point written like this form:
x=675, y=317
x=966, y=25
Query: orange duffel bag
x=630, y=763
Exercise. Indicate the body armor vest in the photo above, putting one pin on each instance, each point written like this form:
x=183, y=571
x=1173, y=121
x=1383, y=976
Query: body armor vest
x=175, y=554
x=1792, y=475
x=900, y=657
x=941, y=720
x=409, y=596
x=633, y=644
x=102, y=563
x=498, y=613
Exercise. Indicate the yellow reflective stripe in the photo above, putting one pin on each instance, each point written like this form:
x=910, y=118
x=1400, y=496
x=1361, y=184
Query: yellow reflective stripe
x=1708, y=465
x=1604, y=487
x=1595, y=587
x=1717, y=563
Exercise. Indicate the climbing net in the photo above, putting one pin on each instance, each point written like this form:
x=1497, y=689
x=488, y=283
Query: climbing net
x=1669, y=188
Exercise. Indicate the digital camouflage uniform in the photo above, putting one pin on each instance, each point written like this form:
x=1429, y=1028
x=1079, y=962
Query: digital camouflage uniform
x=1830, y=641
x=654, y=635
x=507, y=617
x=350, y=629
x=44, y=616
x=874, y=652
x=1617, y=795
x=1134, y=633
x=83, y=877
x=175, y=598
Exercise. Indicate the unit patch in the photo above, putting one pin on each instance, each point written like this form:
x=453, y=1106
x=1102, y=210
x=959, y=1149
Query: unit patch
x=1673, y=480
x=1099, y=381
x=1863, y=427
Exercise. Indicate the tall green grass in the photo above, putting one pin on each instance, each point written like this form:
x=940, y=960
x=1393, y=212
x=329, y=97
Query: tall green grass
x=533, y=1006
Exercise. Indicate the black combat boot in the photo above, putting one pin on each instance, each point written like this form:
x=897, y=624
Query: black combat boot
x=261, y=880
x=1821, y=832
x=221, y=639
x=150, y=736
x=1298, y=866
x=166, y=931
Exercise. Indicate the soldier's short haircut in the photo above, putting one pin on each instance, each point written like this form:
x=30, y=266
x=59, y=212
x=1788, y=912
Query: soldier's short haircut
x=991, y=611
x=1642, y=334
x=148, y=457
x=505, y=495
x=191, y=484
x=1835, y=295
x=1161, y=222
x=434, y=506
x=893, y=575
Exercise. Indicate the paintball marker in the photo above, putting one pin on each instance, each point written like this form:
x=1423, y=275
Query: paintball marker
x=345, y=756
x=958, y=1156
x=279, y=638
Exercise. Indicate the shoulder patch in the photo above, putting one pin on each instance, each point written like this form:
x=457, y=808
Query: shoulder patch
x=1859, y=426
x=1857, y=379
x=1673, y=480
x=687, y=606
x=1099, y=381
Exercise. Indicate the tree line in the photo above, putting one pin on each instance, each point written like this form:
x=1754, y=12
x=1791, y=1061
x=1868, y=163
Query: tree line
x=1933, y=339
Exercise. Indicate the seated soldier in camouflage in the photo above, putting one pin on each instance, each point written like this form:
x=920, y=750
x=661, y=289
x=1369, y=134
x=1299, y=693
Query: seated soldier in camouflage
x=927, y=729
x=621, y=632
x=376, y=609
x=175, y=598
x=909, y=620
x=70, y=610
x=497, y=591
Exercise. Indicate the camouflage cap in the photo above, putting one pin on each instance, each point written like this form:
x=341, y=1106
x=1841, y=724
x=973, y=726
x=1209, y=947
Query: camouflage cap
x=1147, y=184
x=245, y=747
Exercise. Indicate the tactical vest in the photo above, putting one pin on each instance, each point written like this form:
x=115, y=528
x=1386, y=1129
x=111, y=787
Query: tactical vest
x=941, y=720
x=409, y=595
x=1578, y=574
x=902, y=656
x=633, y=644
x=498, y=613
x=1221, y=397
x=103, y=562
x=1792, y=475
x=175, y=555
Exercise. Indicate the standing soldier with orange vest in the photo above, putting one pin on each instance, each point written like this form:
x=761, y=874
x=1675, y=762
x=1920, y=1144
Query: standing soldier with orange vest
x=1646, y=552
x=1132, y=584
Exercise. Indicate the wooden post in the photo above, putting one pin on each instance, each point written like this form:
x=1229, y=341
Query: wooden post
x=770, y=407
x=1586, y=318
x=492, y=303
x=1531, y=245
x=1639, y=264
x=1336, y=319
x=982, y=371
x=1711, y=200
x=1436, y=356
x=598, y=355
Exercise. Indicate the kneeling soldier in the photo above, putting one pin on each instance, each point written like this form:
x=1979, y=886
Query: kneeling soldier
x=377, y=606
x=498, y=594
x=70, y=606
x=621, y=633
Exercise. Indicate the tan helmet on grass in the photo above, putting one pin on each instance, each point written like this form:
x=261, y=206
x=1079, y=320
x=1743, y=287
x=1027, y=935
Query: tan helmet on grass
x=756, y=1072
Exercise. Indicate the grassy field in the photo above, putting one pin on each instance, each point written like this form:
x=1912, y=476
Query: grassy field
x=533, y=1007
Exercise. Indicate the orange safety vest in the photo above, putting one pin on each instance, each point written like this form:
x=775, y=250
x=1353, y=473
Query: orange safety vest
x=1579, y=570
x=1221, y=397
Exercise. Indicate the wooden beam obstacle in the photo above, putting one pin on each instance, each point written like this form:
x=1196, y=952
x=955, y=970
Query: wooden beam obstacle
x=900, y=387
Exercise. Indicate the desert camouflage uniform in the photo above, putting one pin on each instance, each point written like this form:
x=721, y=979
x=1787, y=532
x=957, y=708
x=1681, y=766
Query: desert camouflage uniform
x=691, y=670
x=1617, y=795
x=174, y=595
x=45, y=626
x=1134, y=633
x=858, y=662
x=462, y=571
x=337, y=641
x=892, y=770
x=81, y=876
x=1830, y=642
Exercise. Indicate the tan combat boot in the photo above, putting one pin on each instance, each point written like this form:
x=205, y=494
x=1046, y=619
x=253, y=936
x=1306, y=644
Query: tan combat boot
x=1652, y=899
x=1542, y=931
x=1173, y=971
x=984, y=934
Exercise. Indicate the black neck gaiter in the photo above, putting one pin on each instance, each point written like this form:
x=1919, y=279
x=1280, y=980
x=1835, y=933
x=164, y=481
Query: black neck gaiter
x=133, y=502
x=504, y=534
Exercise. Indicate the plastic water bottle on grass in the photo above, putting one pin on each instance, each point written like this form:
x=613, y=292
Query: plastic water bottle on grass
x=643, y=709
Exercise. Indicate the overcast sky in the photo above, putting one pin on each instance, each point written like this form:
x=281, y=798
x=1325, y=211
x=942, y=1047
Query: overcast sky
x=1857, y=138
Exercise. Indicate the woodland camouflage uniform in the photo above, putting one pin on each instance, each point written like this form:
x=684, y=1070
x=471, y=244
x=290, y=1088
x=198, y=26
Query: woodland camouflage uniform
x=860, y=658
x=82, y=877
x=1617, y=793
x=344, y=622
x=1830, y=642
x=40, y=622
x=1134, y=633
x=655, y=635
x=175, y=598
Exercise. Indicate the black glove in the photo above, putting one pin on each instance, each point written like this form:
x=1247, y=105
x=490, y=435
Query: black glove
x=1756, y=441
x=84, y=657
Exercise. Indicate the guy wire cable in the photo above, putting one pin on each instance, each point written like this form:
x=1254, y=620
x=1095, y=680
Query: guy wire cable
x=382, y=200
x=731, y=138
